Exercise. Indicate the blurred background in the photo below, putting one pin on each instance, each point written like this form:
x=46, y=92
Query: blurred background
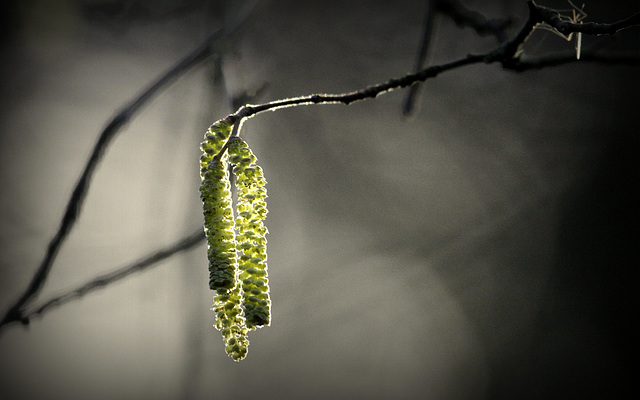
x=482, y=248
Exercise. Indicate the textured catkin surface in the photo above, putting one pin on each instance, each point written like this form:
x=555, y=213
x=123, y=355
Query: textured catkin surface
x=219, y=227
x=481, y=249
x=241, y=285
x=251, y=210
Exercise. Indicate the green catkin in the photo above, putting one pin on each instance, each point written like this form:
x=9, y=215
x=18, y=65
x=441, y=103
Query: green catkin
x=218, y=223
x=251, y=210
x=236, y=248
x=219, y=227
x=215, y=192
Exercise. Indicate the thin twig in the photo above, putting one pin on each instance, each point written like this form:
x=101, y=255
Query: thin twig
x=144, y=263
x=554, y=19
x=75, y=203
x=507, y=54
x=366, y=93
x=423, y=49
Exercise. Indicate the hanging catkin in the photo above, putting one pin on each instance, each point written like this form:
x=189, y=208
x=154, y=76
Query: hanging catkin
x=251, y=210
x=222, y=252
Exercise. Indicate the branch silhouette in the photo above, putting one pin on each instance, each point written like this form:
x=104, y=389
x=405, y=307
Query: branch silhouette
x=508, y=54
x=554, y=19
x=423, y=50
x=101, y=281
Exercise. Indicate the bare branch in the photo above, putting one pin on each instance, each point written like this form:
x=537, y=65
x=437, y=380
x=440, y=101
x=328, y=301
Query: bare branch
x=508, y=54
x=363, y=94
x=144, y=263
x=423, y=49
x=554, y=19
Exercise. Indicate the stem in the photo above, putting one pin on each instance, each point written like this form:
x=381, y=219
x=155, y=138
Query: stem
x=183, y=244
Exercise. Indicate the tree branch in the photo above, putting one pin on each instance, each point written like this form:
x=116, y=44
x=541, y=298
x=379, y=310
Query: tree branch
x=75, y=203
x=554, y=19
x=423, y=49
x=144, y=263
x=363, y=94
x=507, y=54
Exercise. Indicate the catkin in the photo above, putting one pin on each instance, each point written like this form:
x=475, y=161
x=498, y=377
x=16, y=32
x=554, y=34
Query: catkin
x=251, y=210
x=219, y=226
x=215, y=193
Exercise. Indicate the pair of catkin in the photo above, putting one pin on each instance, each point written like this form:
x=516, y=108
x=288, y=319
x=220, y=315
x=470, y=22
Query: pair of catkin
x=236, y=248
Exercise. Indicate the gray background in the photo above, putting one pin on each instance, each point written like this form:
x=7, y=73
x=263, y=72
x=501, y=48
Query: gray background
x=482, y=249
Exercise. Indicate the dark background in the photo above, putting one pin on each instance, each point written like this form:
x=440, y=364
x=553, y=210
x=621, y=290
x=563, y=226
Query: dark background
x=484, y=248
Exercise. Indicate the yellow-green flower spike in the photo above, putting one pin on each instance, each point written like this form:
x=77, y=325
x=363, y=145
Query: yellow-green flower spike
x=219, y=227
x=251, y=211
x=216, y=206
x=237, y=248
